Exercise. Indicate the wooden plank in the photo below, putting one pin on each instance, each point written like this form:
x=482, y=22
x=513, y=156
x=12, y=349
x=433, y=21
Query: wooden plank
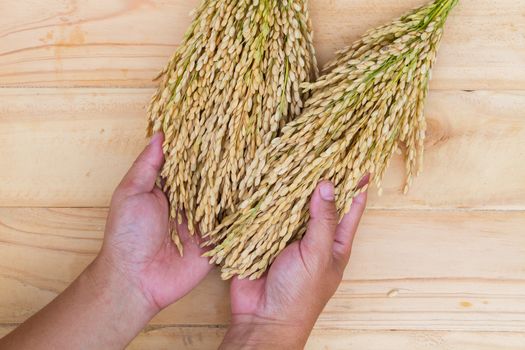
x=209, y=338
x=43, y=250
x=474, y=156
x=166, y=337
x=410, y=270
x=65, y=147
x=70, y=147
x=125, y=43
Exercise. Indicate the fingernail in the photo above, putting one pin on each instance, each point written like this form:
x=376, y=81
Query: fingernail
x=364, y=181
x=326, y=190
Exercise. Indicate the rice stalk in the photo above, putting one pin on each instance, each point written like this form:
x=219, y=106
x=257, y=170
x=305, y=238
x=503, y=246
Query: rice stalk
x=227, y=91
x=367, y=104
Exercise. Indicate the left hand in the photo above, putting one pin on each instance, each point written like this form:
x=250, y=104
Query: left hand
x=137, y=243
x=137, y=273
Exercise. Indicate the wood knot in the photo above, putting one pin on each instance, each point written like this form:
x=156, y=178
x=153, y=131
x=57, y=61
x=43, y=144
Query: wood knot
x=438, y=132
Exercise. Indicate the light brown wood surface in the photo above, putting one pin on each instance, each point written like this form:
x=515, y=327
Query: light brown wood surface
x=203, y=338
x=441, y=268
x=125, y=43
x=411, y=270
x=474, y=150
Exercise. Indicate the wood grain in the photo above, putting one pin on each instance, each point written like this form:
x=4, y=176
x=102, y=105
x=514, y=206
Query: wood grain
x=208, y=338
x=67, y=147
x=70, y=148
x=410, y=270
x=441, y=268
x=125, y=43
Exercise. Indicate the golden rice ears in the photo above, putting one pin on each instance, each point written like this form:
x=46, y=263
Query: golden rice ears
x=227, y=91
x=367, y=104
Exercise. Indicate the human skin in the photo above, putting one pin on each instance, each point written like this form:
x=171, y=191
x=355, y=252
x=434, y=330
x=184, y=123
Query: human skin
x=280, y=309
x=139, y=271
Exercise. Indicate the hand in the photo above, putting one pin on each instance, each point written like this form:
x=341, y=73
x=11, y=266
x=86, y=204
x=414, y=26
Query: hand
x=138, y=272
x=137, y=244
x=281, y=308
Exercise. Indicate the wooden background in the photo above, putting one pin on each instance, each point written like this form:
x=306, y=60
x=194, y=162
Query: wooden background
x=440, y=268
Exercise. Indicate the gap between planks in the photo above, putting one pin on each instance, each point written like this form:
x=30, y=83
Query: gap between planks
x=224, y=326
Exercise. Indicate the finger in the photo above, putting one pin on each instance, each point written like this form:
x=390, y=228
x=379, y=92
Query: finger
x=323, y=219
x=144, y=171
x=190, y=243
x=191, y=267
x=191, y=247
x=345, y=231
x=187, y=240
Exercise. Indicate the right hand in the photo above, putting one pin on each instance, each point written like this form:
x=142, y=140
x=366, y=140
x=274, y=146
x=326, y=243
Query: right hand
x=281, y=308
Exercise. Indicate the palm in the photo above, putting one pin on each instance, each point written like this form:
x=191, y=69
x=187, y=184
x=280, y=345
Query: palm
x=273, y=292
x=142, y=241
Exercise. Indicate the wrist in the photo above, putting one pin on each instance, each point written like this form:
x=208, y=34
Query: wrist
x=118, y=292
x=252, y=332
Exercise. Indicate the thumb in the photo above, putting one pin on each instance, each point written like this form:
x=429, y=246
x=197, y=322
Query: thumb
x=345, y=231
x=143, y=173
x=323, y=219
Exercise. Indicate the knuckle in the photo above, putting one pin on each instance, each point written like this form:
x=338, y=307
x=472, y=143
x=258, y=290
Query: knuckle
x=330, y=219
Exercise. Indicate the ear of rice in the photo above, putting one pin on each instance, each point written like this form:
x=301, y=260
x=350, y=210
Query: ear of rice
x=368, y=102
x=229, y=89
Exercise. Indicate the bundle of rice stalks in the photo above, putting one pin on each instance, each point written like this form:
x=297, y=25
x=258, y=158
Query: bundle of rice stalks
x=229, y=89
x=368, y=102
